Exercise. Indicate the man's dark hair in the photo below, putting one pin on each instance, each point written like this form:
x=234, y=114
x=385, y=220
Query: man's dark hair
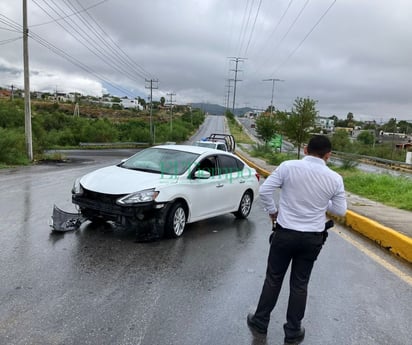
x=319, y=145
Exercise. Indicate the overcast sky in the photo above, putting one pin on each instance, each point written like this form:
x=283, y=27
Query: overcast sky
x=348, y=55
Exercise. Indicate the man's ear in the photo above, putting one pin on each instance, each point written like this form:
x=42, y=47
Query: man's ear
x=305, y=149
x=327, y=156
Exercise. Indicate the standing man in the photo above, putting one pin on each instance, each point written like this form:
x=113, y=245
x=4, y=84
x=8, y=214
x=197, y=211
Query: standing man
x=308, y=189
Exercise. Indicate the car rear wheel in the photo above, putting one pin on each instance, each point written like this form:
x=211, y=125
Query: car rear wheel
x=175, y=221
x=245, y=206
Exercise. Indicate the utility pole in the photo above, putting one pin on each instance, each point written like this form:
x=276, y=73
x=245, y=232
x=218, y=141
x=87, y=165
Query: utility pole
x=27, y=106
x=76, y=112
x=273, y=89
x=228, y=93
x=151, y=87
x=171, y=94
x=12, y=92
x=236, y=60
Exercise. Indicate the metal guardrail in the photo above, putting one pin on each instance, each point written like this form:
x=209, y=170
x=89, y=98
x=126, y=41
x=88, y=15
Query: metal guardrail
x=125, y=143
x=368, y=159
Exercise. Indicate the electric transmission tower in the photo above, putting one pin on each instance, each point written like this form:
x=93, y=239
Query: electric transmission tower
x=236, y=60
x=171, y=94
x=273, y=80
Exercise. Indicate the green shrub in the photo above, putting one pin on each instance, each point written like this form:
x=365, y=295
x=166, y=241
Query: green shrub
x=11, y=114
x=12, y=147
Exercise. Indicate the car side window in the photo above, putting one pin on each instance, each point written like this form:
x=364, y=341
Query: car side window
x=228, y=164
x=221, y=147
x=208, y=164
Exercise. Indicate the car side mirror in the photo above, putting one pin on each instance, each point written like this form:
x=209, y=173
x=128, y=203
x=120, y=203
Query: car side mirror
x=202, y=174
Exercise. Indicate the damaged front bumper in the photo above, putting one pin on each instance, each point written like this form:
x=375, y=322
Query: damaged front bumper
x=144, y=217
x=62, y=221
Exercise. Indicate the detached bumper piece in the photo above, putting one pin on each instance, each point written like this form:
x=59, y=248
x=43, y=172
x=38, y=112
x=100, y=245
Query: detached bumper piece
x=62, y=221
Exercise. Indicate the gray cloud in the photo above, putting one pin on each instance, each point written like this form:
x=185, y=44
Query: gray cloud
x=358, y=58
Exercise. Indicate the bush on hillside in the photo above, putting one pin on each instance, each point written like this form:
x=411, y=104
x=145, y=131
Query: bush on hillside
x=12, y=147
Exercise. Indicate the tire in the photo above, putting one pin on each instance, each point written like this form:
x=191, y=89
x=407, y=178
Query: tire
x=245, y=206
x=175, y=222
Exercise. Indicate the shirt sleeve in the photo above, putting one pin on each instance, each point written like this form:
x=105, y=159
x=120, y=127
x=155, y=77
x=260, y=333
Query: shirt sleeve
x=337, y=205
x=267, y=189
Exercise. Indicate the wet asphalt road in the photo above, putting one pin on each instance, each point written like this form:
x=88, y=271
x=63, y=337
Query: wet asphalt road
x=98, y=286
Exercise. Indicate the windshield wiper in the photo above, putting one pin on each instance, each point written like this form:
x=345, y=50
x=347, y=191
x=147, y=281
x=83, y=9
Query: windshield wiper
x=143, y=169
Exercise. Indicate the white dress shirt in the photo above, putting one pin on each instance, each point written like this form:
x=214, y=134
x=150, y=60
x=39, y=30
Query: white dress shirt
x=308, y=189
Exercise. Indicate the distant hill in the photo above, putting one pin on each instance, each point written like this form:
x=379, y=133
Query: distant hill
x=216, y=109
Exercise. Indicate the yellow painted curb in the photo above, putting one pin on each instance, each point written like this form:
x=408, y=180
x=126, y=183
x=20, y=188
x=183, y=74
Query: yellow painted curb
x=399, y=244
x=261, y=171
x=388, y=238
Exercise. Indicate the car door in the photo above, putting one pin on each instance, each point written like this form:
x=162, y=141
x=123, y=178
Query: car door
x=207, y=197
x=232, y=181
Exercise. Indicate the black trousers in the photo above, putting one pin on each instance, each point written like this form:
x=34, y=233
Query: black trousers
x=302, y=249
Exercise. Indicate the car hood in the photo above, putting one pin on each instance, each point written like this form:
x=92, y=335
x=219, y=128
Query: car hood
x=116, y=180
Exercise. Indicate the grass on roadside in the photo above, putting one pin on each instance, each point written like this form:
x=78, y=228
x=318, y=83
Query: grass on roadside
x=237, y=131
x=395, y=191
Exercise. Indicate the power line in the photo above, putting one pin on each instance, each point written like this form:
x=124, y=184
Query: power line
x=242, y=28
x=291, y=26
x=253, y=27
x=10, y=40
x=243, y=34
x=94, y=46
x=71, y=14
x=61, y=53
x=77, y=63
x=304, y=39
x=130, y=61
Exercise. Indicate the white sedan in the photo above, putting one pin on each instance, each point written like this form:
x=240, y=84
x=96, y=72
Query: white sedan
x=162, y=188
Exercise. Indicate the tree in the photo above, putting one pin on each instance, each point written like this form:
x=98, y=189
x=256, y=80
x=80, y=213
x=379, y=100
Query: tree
x=162, y=101
x=366, y=137
x=334, y=118
x=390, y=126
x=270, y=109
x=405, y=127
x=266, y=127
x=340, y=141
x=350, y=120
x=298, y=126
x=141, y=101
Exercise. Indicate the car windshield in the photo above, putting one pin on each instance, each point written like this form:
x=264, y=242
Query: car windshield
x=160, y=160
x=206, y=144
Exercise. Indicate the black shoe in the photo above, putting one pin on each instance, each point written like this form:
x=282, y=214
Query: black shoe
x=296, y=339
x=254, y=326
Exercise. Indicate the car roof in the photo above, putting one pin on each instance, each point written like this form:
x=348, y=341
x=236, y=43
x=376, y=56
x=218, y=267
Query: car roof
x=190, y=148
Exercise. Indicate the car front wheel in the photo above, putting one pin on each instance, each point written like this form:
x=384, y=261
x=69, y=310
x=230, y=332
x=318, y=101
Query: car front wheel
x=175, y=221
x=245, y=206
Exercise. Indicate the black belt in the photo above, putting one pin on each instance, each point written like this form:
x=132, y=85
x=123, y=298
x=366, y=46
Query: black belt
x=279, y=227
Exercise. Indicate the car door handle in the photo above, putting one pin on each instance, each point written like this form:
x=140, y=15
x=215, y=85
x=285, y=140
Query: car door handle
x=242, y=181
x=220, y=185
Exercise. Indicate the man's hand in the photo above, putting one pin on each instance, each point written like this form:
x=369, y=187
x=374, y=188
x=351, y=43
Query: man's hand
x=273, y=216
